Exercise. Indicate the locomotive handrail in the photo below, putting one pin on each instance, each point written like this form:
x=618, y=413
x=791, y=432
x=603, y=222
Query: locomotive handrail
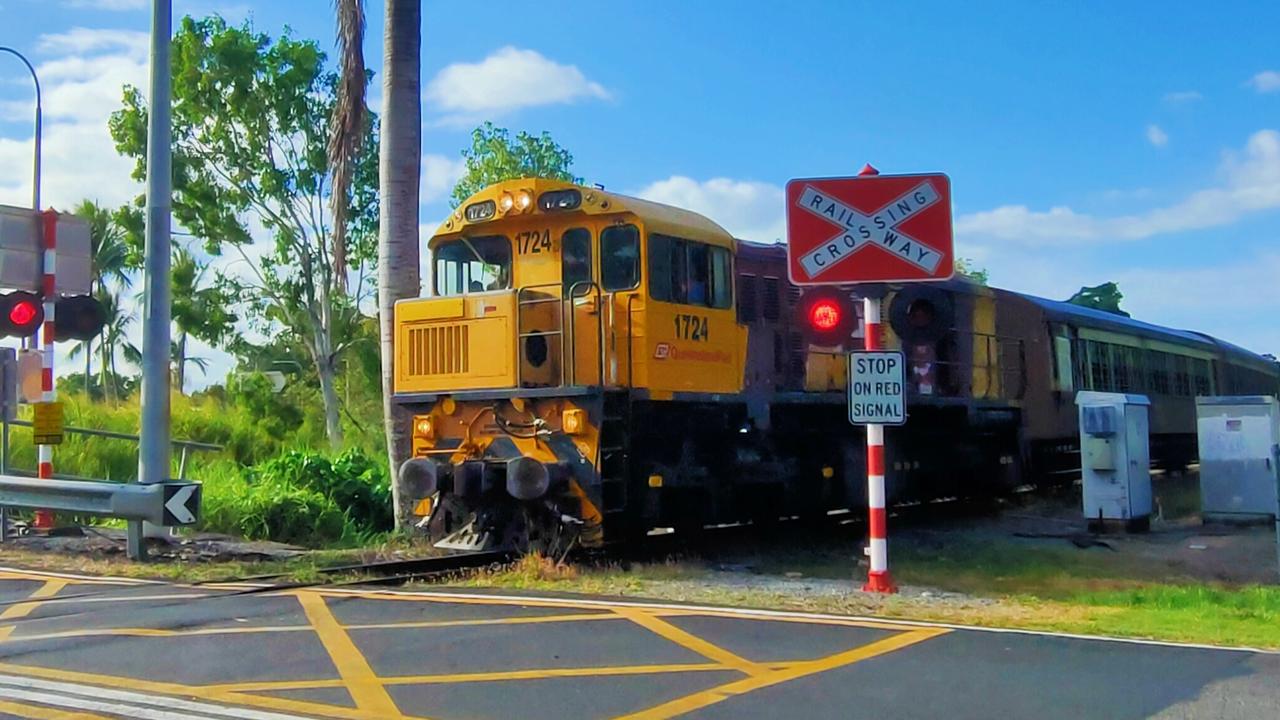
x=568, y=334
x=573, y=327
x=631, y=379
x=520, y=303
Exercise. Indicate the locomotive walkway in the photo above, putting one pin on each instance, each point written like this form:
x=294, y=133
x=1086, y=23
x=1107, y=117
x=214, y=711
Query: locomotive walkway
x=87, y=648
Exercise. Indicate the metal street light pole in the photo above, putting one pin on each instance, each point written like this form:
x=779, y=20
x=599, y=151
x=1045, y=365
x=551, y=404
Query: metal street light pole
x=154, y=453
x=35, y=175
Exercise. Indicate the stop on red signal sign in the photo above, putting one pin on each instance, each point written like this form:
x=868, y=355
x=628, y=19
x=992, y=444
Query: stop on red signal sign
x=875, y=228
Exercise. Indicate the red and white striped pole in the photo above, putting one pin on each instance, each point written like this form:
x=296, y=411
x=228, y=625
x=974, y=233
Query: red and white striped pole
x=878, y=578
x=44, y=518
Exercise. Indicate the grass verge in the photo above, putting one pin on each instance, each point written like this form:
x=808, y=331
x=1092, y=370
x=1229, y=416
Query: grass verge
x=997, y=587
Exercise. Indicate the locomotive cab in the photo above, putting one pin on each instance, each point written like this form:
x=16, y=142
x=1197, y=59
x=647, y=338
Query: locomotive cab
x=553, y=306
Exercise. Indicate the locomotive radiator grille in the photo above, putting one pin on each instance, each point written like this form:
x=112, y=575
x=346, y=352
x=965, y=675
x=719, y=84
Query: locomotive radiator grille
x=439, y=350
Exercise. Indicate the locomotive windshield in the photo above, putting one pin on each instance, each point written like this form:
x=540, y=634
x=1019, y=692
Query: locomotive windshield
x=473, y=265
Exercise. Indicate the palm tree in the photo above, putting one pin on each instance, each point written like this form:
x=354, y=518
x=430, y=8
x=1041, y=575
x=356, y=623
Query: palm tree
x=109, y=260
x=399, y=168
x=199, y=310
x=347, y=124
x=399, y=156
x=115, y=336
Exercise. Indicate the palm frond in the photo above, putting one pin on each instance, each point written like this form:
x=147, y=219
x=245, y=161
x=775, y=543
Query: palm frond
x=347, y=124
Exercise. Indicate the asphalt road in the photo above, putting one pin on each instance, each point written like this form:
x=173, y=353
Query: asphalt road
x=86, y=648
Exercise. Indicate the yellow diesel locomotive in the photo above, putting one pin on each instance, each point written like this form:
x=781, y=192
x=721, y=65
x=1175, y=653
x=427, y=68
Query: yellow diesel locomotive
x=591, y=366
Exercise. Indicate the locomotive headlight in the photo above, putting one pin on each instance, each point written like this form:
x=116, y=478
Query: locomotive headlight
x=573, y=422
x=424, y=427
x=506, y=202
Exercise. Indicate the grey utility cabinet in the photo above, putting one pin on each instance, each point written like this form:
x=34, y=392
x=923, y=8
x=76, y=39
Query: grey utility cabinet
x=1239, y=438
x=1115, y=457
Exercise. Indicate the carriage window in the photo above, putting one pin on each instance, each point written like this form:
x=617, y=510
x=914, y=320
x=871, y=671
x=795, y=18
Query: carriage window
x=575, y=259
x=747, y=299
x=472, y=265
x=772, y=305
x=620, y=257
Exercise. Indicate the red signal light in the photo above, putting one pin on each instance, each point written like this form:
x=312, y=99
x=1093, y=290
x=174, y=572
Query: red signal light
x=22, y=312
x=824, y=315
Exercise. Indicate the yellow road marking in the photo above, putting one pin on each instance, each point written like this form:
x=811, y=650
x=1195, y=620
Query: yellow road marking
x=711, y=696
x=532, y=674
x=251, y=629
x=360, y=679
x=23, y=609
x=692, y=642
x=38, y=712
x=197, y=691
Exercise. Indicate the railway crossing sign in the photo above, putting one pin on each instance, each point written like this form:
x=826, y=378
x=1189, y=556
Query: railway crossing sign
x=877, y=382
x=871, y=228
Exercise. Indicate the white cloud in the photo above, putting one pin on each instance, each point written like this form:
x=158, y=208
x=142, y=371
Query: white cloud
x=83, y=40
x=749, y=210
x=1250, y=183
x=1156, y=136
x=1266, y=81
x=1182, y=96
x=439, y=175
x=106, y=4
x=82, y=84
x=508, y=79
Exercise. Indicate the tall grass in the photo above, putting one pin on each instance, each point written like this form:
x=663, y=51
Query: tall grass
x=273, y=479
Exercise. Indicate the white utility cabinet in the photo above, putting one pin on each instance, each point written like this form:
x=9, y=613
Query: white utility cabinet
x=1238, y=438
x=1115, y=457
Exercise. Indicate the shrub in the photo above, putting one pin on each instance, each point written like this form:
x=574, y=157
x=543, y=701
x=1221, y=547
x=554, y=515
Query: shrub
x=352, y=481
x=270, y=509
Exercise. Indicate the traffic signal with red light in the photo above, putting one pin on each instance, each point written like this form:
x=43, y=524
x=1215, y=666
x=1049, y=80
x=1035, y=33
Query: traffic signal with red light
x=21, y=313
x=78, y=317
x=827, y=315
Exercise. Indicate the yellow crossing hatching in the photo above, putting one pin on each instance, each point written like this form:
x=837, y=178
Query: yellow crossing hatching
x=23, y=609
x=360, y=679
x=369, y=690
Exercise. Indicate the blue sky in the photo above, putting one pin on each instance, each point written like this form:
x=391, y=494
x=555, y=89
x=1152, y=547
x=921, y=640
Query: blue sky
x=1086, y=141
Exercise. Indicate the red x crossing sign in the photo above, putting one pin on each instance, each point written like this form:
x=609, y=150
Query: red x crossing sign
x=875, y=228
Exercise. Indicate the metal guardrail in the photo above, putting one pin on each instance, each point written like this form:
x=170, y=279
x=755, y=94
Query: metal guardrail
x=186, y=446
x=173, y=503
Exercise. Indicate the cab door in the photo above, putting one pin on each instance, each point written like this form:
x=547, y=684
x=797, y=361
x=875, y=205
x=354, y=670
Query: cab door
x=581, y=304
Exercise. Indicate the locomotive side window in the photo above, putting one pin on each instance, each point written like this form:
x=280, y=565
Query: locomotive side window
x=620, y=257
x=472, y=265
x=689, y=273
x=721, y=278
x=575, y=260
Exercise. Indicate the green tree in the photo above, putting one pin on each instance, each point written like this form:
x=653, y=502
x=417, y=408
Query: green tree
x=249, y=127
x=967, y=268
x=199, y=310
x=109, y=261
x=494, y=157
x=1105, y=297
